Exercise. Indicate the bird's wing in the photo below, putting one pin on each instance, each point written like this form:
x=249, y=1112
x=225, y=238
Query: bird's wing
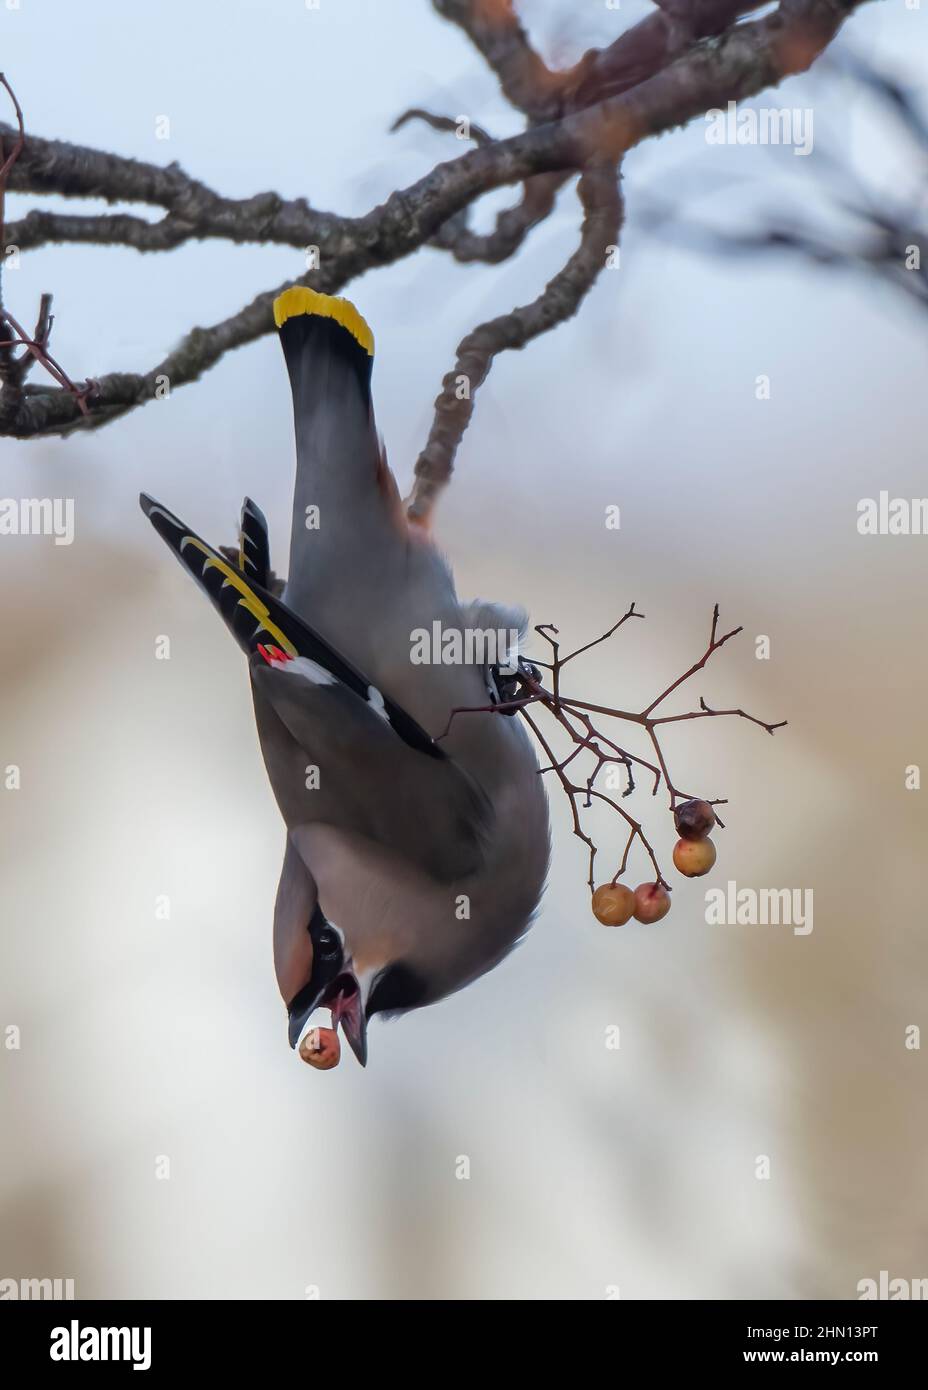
x=339, y=763
x=254, y=616
x=381, y=774
x=254, y=546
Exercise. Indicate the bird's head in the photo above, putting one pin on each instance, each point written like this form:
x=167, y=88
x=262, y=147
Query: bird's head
x=353, y=994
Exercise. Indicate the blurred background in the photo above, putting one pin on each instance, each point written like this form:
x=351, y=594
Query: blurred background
x=591, y=1168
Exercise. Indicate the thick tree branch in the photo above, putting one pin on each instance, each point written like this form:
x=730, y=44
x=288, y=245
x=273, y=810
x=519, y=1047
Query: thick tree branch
x=512, y=224
x=78, y=171
x=740, y=63
x=618, y=129
x=560, y=300
x=492, y=26
x=43, y=412
x=196, y=212
x=637, y=54
x=646, y=49
x=42, y=228
x=544, y=95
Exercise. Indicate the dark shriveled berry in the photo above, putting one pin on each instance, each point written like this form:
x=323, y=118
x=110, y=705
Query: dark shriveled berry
x=694, y=819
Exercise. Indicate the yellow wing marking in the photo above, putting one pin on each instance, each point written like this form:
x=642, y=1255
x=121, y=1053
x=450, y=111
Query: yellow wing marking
x=258, y=610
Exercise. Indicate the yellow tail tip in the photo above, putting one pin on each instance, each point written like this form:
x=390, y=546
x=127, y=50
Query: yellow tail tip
x=301, y=300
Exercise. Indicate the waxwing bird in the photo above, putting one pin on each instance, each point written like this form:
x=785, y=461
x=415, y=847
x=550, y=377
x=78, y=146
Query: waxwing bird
x=417, y=844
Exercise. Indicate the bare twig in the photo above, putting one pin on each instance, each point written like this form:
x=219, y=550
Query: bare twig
x=560, y=300
x=476, y=133
x=573, y=717
x=512, y=224
x=10, y=159
x=493, y=27
x=13, y=369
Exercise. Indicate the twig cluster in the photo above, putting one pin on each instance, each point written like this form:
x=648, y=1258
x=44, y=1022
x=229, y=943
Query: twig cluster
x=575, y=717
x=15, y=368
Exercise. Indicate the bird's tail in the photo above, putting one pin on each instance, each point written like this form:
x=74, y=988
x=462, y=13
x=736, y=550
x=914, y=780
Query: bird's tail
x=313, y=325
x=347, y=515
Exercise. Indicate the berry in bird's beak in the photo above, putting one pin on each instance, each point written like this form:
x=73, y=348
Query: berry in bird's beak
x=321, y=1048
x=345, y=1001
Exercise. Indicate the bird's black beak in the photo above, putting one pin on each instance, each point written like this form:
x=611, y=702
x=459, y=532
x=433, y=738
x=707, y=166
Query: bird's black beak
x=332, y=984
x=300, y=1009
x=328, y=963
x=348, y=1010
x=343, y=996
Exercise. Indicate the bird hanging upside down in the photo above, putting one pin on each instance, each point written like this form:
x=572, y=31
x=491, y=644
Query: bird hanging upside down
x=411, y=866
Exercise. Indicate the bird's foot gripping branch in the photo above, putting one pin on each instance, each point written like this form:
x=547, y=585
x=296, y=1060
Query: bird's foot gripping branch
x=595, y=743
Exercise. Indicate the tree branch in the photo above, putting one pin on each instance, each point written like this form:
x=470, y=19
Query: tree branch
x=560, y=300
x=512, y=224
x=742, y=62
x=492, y=26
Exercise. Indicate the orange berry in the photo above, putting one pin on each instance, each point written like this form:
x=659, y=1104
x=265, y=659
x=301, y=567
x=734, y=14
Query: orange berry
x=321, y=1048
x=694, y=857
x=613, y=904
x=652, y=902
